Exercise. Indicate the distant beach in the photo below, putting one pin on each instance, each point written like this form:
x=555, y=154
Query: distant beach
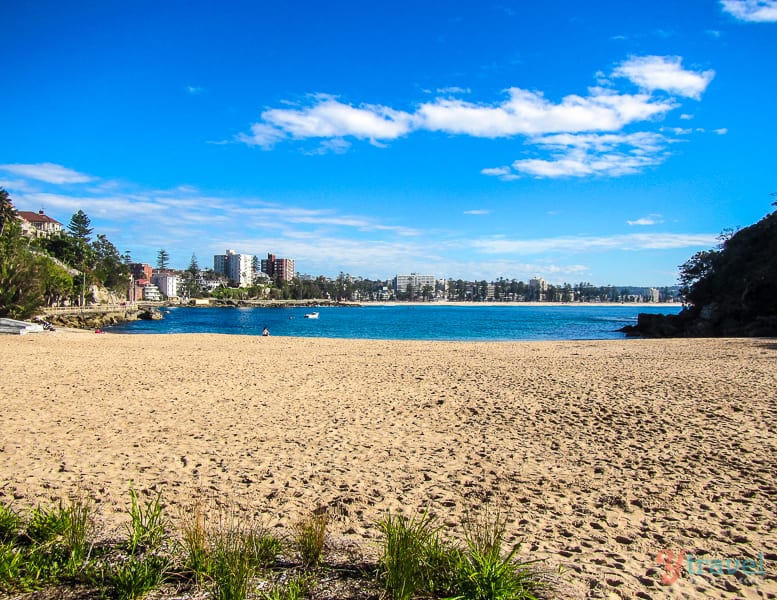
x=603, y=453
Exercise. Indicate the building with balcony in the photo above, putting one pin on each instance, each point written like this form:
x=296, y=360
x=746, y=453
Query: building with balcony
x=237, y=267
x=38, y=224
x=278, y=268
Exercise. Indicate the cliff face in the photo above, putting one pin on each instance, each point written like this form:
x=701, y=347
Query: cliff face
x=732, y=291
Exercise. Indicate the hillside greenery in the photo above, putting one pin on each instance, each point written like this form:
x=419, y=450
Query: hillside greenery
x=51, y=271
x=730, y=290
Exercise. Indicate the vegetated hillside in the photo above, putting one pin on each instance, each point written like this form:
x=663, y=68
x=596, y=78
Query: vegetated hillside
x=731, y=291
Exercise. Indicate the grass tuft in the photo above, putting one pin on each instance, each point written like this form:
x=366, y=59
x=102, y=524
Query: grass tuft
x=308, y=538
x=138, y=575
x=414, y=556
x=148, y=523
x=10, y=523
x=484, y=572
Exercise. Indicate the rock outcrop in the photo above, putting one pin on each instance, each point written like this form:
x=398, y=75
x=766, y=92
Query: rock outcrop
x=732, y=291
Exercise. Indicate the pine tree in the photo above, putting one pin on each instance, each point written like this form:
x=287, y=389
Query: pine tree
x=162, y=260
x=80, y=227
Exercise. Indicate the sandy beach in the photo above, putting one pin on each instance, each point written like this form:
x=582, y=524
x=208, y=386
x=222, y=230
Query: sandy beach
x=604, y=453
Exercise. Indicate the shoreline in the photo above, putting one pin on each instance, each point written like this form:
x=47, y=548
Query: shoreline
x=604, y=453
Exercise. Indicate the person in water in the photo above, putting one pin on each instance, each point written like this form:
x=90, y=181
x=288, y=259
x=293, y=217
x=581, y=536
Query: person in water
x=265, y=332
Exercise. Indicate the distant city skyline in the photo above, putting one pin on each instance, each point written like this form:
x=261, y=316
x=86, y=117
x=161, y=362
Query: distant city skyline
x=602, y=142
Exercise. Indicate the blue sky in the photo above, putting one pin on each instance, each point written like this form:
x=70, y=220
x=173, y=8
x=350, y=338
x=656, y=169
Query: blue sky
x=578, y=141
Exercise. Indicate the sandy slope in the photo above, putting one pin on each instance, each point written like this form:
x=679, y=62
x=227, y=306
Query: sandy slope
x=604, y=453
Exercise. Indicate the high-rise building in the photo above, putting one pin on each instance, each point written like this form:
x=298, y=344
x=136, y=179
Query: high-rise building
x=237, y=267
x=280, y=268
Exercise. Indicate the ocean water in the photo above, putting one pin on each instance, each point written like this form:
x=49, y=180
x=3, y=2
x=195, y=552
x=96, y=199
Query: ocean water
x=403, y=322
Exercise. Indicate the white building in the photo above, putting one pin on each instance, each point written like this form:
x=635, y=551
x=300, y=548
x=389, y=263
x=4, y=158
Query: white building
x=167, y=283
x=237, y=267
x=413, y=283
x=151, y=293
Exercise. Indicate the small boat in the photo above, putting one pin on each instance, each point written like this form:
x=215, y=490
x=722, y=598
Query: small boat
x=312, y=315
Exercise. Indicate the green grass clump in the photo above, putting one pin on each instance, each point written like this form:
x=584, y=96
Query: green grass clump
x=484, y=572
x=293, y=589
x=230, y=563
x=221, y=553
x=10, y=522
x=148, y=524
x=138, y=575
x=50, y=545
x=46, y=524
x=415, y=558
x=308, y=538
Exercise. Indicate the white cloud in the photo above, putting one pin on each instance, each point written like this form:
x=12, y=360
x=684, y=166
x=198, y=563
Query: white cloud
x=583, y=155
x=329, y=118
x=194, y=90
x=721, y=131
x=478, y=211
x=664, y=73
x=503, y=173
x=529, y=113
x=653, y=219
x=636, y=241
x=454, y=90
x=753, y=11
x=48, y=172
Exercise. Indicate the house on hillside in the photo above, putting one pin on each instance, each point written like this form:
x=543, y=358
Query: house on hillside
x=38, y=224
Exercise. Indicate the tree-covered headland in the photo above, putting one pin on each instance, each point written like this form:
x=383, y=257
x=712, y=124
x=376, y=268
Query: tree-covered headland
x=56, y=270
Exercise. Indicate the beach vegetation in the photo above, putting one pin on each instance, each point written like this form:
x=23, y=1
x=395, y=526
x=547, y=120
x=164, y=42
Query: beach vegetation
x=148, y=523
x=415, y=559
x=10, y=521
x=230, y=562
x=137, y=575
x=294, y=588
x=485, y=572
x=232, y=557
x=308, y=538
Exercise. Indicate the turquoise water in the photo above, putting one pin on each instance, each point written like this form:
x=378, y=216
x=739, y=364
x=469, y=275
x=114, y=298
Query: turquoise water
x=433, y=322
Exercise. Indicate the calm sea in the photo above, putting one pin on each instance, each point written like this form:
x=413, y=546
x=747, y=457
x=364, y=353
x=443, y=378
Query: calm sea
x=432, y=322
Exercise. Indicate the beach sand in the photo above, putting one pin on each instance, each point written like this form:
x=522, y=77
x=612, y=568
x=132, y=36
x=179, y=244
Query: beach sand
x=602, y=453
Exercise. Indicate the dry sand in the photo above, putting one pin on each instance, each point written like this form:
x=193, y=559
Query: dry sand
x=604, y=453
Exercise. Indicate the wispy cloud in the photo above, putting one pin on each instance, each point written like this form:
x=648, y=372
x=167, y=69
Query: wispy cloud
x=582, y=244
x=610, y=155
x=664, y=73
x=752, y=11
x=478, y=211
x=652, y=219
x=194, y=90
x=47, y=172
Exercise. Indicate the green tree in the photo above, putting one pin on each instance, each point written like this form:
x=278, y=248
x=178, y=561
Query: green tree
x=190, y=277
x=80, y=227
x=8, y=214
x=162, y=259
x=109, y=266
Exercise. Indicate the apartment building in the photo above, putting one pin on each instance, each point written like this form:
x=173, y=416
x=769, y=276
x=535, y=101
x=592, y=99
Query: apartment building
x=237, y=267
x=278, y=268
x=414, y=284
